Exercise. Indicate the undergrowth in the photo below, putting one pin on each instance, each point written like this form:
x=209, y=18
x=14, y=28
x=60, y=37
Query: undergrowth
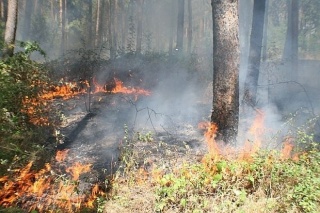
x=266, y=181
x=22, y=80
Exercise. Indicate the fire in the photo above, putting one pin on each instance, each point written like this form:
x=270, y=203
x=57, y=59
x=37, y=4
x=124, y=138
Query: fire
x=78, y=169
x=61, y=155
x=251, y=146
x=44, y=191
x=210, y=135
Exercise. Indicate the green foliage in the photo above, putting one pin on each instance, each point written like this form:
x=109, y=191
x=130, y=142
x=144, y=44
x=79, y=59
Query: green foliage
x=20, y=77
x=296, y=184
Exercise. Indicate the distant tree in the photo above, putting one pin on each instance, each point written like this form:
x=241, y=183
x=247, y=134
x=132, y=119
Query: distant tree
x=251, y=82
x=189, y=25
x=180, y=26
x=28, y=10
x=290, y=52
x=11, y=28
x=62, y=25
x=3, y=10
x=139, y=26
x=226, y=57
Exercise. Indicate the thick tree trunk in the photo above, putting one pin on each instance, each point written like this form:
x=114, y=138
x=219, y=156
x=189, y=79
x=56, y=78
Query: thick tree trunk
x=225, y=112
x=11, y=27
x=139, y=27
x=180, y=26
x=251, y=82
x=189, y=26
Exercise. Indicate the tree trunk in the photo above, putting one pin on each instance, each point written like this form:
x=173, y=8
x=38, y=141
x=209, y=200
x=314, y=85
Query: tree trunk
x=290, y=52
x=265, y=33
x=171, y=38
x=62, y=26
x=252, y=77
x=139, y=27
x=89, y=24
x=3, y=10
x=11, y=27
x=180, y=26
x=225, y=112
x=98, y=24
x=113, y=48
x=190, y=26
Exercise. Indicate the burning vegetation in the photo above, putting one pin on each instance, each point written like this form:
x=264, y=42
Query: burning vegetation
x=49, y=189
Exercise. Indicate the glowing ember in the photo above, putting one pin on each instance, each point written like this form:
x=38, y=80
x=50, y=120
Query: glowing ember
x=61, y=155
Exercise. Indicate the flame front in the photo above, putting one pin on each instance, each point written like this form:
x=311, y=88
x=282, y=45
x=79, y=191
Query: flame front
x=43, y=191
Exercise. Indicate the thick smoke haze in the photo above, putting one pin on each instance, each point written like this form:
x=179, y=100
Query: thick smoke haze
x=177, y=95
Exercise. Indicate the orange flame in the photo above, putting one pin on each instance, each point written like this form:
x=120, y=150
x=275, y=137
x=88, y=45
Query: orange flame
x=78, y=169
x=210, y=135
x=41, y=191
x=61, y=155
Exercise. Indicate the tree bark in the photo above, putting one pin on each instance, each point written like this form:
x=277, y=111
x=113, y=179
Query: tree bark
x=225, y=112
x=252, y=77
x=190, y=26
x=11, y=27
x=180, y=26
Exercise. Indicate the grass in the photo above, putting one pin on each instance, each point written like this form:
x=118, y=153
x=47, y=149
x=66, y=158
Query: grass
x=266, y=181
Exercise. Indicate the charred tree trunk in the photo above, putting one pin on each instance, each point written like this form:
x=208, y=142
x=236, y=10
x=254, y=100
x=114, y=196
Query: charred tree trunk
x=251, y=82
x=190, y=26
x=11, y=28
x=180, y=26
x=226, y=56
x=290, y=52
x=139, y=27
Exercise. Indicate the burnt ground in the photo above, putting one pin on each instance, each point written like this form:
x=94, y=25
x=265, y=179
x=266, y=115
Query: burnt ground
x=95, y=135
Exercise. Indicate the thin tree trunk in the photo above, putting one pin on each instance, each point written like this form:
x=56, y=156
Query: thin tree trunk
x=290, y=52
x=180, y=26
x=89, y=24
x=226, y=58
x=265, y=33
x=3, y=10
x=172, y=14
x=190, y=26
x=252, y=77
x=11, y=28
x=139, y=27
x=113, y=6
x=98, y=23
x=62, y=26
